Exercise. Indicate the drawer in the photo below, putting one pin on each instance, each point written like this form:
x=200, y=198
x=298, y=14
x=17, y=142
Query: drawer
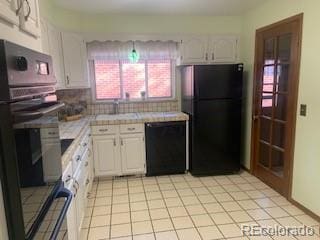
x=131, y=128
x=49, y=133
x=105, y=129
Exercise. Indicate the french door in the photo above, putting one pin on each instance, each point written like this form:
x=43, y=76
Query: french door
x=275, y=102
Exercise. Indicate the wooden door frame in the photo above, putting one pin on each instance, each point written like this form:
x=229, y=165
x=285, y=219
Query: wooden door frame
x=297, y=18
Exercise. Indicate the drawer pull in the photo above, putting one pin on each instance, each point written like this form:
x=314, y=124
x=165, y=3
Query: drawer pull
x=52, y=133
x=114, y=142
x=68, y=179
x=131, y=129
x=103, y=130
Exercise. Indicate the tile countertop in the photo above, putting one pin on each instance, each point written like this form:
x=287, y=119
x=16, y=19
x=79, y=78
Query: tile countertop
x=77, y=129
x=144, y=117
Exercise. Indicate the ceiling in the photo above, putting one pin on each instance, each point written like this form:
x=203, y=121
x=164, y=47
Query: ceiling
x=161, y=7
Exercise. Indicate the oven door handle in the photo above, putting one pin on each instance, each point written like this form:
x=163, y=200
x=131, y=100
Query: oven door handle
x=44, y=210
x=63, y=193
x=40, y=113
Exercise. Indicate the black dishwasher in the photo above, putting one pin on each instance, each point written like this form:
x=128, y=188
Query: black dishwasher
x=166, y=148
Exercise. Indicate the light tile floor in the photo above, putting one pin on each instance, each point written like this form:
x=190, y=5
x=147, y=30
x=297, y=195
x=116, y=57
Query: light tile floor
x=183, y=207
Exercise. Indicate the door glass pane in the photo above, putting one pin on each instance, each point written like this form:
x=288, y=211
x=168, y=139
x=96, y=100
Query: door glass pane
x=284, y=47
x=269, y=45
x=264, y=152
x=266, y=104
x=265, y=127
x=283, y=77
x=268, y=78
x=278, y=136
x=277, y=162
x=280, y=107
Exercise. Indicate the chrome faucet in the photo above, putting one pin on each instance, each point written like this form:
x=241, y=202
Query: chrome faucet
x=116, y=106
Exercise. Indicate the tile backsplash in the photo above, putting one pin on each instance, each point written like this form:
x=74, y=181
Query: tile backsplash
x=82, y=97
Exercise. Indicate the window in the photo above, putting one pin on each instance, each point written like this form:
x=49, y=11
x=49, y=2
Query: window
x=149, y=79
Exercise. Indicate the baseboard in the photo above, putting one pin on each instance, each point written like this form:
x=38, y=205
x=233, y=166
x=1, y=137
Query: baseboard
x=295, y=203
x=245, y=168
x=304, y=209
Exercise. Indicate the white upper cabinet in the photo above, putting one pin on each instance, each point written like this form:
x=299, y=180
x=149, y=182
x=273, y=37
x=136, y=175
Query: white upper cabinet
x=223, y=49
x=55, y=46
x=75, y=61
x=194, y=50
x=8, y=12
x=209, y=49
x=29, y=17
x=132, y=154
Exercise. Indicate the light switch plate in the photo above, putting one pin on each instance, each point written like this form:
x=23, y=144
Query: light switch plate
x=303, y=110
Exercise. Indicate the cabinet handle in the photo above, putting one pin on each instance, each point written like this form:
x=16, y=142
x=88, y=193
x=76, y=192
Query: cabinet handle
x=212, y=56
x=78, y=158
x=19, y=8
x=121, y=142
x=85, y=144
x=87, y=181
x=29, y=11
x=75, y=188
x=114, y=142
x=131, y=129
x=68, y=179
x=86, y=164
x=206, y=56
x=68, y=81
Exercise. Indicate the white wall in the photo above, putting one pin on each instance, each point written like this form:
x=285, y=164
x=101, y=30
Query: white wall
x=306, y=175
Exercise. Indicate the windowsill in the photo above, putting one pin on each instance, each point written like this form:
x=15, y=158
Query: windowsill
x=94, y=101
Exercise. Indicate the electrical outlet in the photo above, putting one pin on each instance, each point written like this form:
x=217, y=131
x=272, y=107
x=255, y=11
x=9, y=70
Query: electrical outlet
x=303, y=110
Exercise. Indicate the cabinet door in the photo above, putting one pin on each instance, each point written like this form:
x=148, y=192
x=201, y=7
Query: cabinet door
x=106, y=155
x=29, y=17
x=194, y=50
x=55, y=46
x=8, y=10
x=223, y=49
x=74, y=56
x=80, y=196
x=132, y=153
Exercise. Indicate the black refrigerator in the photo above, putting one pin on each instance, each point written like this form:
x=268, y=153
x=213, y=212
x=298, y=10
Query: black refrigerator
x=212, y=97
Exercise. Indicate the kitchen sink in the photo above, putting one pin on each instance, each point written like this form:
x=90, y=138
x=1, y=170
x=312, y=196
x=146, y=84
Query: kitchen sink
x=65, y=144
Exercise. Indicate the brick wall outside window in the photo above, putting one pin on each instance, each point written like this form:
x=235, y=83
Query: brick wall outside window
x=114, y=78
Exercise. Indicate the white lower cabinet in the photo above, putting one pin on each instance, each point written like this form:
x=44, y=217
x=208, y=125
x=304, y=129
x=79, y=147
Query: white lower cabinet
x=132, y=153
x=117, y=153
x=106, y=155
x=79, y=180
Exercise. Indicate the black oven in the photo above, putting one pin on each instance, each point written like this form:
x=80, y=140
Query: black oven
x=35, y=198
